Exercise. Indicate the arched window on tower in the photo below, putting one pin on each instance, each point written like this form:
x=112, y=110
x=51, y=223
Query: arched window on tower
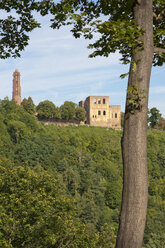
x=103, y=100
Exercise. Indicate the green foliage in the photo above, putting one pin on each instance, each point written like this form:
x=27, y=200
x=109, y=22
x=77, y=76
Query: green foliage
x=34, y=150
x=17, y=23
x=134, y=98
x=154, y=117
x=28, y=105
x=57, y=113
x=17, y=130
x=80, y=114
x=34, y=212
x=74, y=173
x=11, y=111
x=154, y=234
x=122, y=119
x=68, y=110
x=5, y=141
x=113, y=21
x=47, y=110
x=161, y=124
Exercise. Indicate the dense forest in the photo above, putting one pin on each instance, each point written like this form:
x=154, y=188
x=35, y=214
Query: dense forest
x=61, y=186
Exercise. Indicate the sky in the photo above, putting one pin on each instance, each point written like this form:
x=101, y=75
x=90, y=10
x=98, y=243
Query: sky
x=55, y=66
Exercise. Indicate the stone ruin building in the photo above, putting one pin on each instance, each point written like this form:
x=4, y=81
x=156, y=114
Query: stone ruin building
x=16, y=87
x=100, y=113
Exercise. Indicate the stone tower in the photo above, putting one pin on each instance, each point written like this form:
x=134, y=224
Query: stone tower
x=16, y=87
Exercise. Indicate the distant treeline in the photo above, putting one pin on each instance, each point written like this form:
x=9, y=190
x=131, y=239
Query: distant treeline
x=46, y=110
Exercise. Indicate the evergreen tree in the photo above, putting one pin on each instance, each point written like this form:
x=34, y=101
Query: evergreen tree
x=154, y=117
x=28, y=105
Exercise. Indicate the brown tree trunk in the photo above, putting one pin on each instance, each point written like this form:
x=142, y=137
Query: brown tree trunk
x=134, y=141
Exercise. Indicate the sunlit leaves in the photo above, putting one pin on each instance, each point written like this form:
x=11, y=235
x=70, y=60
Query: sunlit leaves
x=17, y=23
x=117, y=30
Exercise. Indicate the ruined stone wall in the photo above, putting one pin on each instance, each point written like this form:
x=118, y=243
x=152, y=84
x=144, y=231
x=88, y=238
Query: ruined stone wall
x=115, y=116
x=99, y=113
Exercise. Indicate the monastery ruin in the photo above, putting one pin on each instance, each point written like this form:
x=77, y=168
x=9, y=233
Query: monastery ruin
x=100, y=113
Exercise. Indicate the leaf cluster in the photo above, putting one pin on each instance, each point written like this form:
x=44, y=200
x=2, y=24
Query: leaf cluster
x=113, y=21
x=18, y=21
x=135, y=97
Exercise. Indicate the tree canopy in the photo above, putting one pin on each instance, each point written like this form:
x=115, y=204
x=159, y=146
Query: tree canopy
x=114, y=22
x=28, y=105
x=16, y=22
x=80, y=114
x=137, y=30
x=68, y=110
x=46, y=110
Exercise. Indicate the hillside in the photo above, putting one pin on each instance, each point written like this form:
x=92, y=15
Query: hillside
x=61, y=186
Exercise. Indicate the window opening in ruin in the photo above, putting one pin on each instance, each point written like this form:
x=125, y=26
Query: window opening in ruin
x=104, y=112
x=104, y=101
x=115, y=115
x=99, y=112
x=95, y=116
x=95, y=101
x=112, y=115
x=99, y=101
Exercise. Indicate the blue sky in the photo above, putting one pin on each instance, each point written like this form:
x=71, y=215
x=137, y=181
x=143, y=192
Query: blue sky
x=55, y=66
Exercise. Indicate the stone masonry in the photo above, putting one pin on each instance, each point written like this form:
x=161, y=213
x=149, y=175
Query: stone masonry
x=16, y=87
x=100, y=113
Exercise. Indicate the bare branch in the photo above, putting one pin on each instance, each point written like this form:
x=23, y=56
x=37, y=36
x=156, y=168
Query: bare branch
x=159, y=50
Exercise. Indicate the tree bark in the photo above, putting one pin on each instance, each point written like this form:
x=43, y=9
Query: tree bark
x=134, y=141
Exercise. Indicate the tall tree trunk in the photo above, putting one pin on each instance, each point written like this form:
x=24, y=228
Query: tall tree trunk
x=134, y=141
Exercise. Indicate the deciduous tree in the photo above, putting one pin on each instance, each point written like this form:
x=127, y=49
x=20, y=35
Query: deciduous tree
x=68, y=110
x=161, y=124
x=154, y=117
x=46, y=110
x=80, y=114
x=137, y=30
